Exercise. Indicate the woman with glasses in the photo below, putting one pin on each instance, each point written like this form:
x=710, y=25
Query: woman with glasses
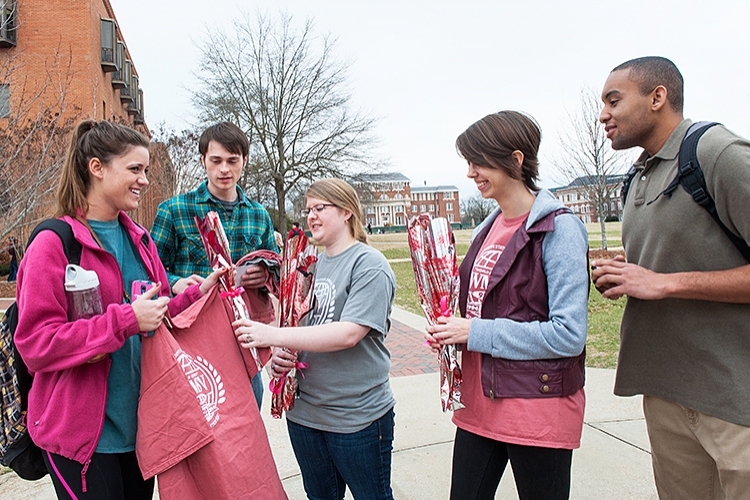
x=341, y=426
x=524, y=307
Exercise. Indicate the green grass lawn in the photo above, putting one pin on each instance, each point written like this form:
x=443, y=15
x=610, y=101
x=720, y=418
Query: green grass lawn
x=604, y=315
x=614, y=235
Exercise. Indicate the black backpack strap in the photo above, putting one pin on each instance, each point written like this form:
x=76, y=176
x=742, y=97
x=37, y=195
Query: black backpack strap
x=626, y=181
x=692, y=180
x=62, y=229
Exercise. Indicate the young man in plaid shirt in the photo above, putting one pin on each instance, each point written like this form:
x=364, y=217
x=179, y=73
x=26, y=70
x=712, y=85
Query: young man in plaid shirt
x=224, y=151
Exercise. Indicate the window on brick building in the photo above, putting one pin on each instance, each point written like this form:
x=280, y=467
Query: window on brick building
x=118, y=77
x=414, y=208
x=108, y=44
x=432, y=208
x=450, y=218
x=399, y=220
x=449, y=206
x=4, y=100
x=8, y=23
x=422, y=208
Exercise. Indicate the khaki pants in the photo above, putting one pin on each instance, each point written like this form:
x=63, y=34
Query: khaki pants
x=696, y=456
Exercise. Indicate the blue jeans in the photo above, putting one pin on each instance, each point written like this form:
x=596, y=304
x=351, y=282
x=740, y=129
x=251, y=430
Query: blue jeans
x=13, y=270
x=257, y=383
x=331, y=461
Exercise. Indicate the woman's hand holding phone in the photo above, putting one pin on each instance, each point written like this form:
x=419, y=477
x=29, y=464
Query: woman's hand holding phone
x=149, y=309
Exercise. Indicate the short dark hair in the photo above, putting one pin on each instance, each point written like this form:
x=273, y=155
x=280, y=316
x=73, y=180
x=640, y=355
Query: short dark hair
x=490, y=142
x=228, y=135
x=652, y=71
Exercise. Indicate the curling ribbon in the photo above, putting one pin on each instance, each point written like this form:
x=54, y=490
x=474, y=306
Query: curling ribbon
x=234, y=293
x=278, y=383
x=444, y=311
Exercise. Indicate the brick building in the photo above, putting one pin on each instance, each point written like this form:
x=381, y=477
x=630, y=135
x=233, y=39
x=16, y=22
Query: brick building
x=438, y=201
x=388, y=200
x=71, y=46
x=579, y=197
x=60, y=62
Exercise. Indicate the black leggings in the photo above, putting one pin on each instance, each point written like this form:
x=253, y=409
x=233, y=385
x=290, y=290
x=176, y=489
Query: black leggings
x=109, y=477
x=479, y=463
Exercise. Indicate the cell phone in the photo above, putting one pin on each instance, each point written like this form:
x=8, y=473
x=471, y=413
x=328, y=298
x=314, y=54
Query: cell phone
x=240, y=271
x=140, y=287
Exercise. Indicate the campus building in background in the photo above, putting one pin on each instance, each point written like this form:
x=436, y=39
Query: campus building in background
x=580, y=198
x=389, y=200
x=60, y=62
x=71, y=47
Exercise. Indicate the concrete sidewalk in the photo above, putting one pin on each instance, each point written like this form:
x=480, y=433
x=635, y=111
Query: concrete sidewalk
x=612, y=463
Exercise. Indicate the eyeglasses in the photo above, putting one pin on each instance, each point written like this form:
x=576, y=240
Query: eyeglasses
x=316, y=208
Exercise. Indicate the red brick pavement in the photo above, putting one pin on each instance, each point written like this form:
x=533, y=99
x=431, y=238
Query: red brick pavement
x=5, y=303
x=408, y=355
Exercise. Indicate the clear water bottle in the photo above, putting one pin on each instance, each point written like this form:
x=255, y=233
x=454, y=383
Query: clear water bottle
x=82, y=291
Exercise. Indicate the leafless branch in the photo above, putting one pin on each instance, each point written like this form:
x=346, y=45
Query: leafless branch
x=587, y=162
x=283, y=86
x=33, y=142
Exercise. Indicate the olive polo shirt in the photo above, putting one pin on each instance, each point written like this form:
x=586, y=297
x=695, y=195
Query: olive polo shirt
x=694, y=353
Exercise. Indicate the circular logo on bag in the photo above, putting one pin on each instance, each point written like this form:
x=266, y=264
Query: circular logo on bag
x=206, y=382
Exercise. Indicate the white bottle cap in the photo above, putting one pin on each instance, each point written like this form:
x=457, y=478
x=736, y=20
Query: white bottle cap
x=78, y=278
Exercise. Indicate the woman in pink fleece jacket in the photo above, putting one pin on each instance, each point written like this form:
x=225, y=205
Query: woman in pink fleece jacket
x=83, y=403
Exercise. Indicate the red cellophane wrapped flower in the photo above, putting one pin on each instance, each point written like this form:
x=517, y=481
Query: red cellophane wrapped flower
x=433, y=255
x=217, y=248
x=295, y=301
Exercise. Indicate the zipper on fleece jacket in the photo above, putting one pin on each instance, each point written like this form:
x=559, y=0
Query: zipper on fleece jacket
x=83, y=475
x=103, y=410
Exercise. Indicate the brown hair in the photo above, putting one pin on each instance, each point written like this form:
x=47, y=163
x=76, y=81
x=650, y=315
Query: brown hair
x=228, y=135
x=90, y=139
x=490, y=142
x=652, y=71
x=341, y=194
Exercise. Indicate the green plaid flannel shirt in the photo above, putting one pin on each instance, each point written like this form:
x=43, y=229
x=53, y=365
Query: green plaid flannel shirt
x=180, y=246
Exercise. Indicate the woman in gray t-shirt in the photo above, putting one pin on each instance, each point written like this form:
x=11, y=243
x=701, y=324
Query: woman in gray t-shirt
x=341, y=426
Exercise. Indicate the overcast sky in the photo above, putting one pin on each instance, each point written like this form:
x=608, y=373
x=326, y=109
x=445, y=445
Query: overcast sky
x=429, y=69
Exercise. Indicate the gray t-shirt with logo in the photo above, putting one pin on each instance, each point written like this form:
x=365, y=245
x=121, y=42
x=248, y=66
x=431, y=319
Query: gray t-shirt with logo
x=345, y=391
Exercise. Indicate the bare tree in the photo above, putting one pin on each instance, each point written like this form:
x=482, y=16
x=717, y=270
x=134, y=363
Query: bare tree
x=475, y=209
x=285, y=89
x=183, y=168
x=258, y=183
x=33, y=142
x=587, y=161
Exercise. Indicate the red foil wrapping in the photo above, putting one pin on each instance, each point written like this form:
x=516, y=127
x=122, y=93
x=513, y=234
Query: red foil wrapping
x=295, y=301
x=217, y=248
x=433, y=255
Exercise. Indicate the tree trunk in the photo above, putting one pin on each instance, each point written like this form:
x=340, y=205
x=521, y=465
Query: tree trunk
x=281, y=206
x=604, y=228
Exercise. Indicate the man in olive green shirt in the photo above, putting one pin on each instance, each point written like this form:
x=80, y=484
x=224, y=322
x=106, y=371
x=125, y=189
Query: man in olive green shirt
x=685, y=339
